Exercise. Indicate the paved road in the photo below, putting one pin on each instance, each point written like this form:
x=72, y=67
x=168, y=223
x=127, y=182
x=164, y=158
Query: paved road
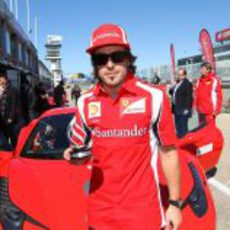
x=220, y=187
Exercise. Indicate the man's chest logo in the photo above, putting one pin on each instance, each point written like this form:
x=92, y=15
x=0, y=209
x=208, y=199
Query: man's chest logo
x=132, y=105
x=208, y=82
x=94, y=109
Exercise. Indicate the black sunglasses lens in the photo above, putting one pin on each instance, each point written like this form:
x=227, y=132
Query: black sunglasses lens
x=100, y=59
x=116, y=57
x=119, y=56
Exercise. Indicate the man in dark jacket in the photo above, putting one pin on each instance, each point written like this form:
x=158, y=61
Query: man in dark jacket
x=8, y=106
x=59, y=94
x=182, y=99
x=41, y=102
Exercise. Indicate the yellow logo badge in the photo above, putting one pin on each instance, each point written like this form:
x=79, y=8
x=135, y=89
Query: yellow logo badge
x=94, y=109
x=124, y=103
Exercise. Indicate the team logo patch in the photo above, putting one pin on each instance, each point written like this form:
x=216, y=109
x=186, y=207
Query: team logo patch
x=124, y=102
x=94, y=109
x=132, y=105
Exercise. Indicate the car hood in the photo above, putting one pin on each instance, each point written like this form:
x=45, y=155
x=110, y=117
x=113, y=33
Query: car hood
x=52, y=192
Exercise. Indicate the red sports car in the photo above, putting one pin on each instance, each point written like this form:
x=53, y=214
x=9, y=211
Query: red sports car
x=206, y=143
x=40, y=190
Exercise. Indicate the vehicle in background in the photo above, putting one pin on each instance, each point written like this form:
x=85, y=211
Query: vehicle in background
x=206, y=143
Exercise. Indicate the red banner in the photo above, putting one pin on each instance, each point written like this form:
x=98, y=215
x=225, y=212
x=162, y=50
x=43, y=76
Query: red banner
x=173, y=65
x=207, y=49
x=223, y=35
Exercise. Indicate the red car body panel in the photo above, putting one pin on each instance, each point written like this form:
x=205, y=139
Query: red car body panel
x=48, y=184
x=190, y=221
x=206, y=144
x=5, y=158
x=29, y=226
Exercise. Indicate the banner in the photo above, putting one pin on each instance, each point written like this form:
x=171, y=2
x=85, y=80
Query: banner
x=173, y=65
x=207, y=49
x=223, y=35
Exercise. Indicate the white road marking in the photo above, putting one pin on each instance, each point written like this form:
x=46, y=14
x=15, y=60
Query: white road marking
x=223, y=188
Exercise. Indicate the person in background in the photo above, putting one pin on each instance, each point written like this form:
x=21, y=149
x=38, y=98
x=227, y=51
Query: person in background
x=182, y=101
x=59, y=95
x=127, y=124
x=208, y=94
x=8, y=109
x=28, y=98
x=41, y=104
x=76, y=93
x=156, y=80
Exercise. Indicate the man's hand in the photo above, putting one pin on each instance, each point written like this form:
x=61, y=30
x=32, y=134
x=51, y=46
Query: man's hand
x=80, y=158
x=67, y=154
x=173, y=218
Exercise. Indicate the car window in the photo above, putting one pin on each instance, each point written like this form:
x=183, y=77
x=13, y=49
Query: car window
x=194, y=124
x=49, y=138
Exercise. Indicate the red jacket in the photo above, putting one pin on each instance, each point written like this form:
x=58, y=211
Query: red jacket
x=124, y=134
x=208, y=95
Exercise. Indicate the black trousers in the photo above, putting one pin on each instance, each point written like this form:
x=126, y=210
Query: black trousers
x=181, y=122
x=8, y=131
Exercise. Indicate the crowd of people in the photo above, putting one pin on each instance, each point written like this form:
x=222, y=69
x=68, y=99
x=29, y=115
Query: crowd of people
x=19, y=106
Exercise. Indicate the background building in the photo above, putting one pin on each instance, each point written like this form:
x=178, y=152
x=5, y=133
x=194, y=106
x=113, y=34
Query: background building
x=17, y=53
x=222, y=56
x=53, y=54
x=45, y=75
x=192, y=63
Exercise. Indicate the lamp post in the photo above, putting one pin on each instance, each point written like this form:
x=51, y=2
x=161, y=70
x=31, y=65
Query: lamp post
x=11, y=5
x=16, y=8
x=28, y=16
x=35, y=31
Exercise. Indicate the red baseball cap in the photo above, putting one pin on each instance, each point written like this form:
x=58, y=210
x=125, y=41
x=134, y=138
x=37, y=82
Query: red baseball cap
x=108, y=34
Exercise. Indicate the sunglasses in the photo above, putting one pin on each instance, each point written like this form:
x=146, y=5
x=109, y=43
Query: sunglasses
x=116, y=57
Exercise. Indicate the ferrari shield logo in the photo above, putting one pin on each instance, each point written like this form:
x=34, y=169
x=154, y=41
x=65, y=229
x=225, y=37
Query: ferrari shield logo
x=132, y=105
x=94, y=109
x=124, y=102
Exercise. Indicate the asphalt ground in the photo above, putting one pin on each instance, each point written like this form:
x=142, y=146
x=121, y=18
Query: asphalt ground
x=220, y=184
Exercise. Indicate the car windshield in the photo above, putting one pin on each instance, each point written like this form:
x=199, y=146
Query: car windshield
x=49, y=138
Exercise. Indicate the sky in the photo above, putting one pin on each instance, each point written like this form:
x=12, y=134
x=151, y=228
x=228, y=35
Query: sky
x=151, y=26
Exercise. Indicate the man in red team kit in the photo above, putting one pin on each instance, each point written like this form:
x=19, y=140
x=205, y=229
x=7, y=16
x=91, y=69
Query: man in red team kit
x=126, y=123
x=208, y=94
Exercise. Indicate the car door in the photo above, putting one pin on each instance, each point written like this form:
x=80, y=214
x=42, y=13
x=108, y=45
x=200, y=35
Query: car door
x=50, y=192
x=206, y=143
x=198, y=209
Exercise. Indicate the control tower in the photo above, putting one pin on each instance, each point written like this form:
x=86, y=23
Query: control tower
x=53, y=47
